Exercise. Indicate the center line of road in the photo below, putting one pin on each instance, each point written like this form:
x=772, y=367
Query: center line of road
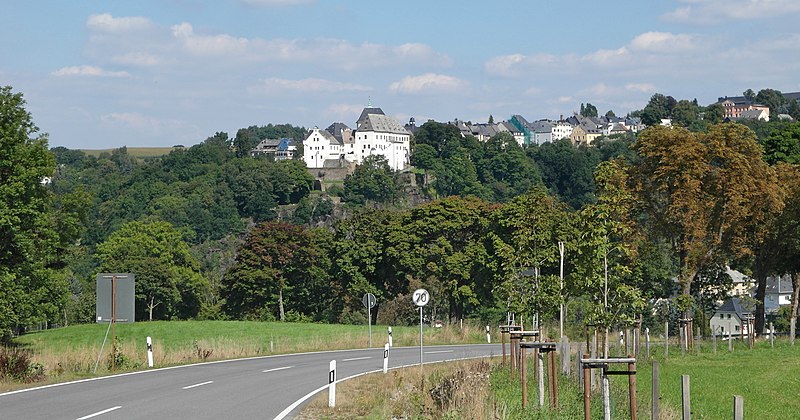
x=100, y=412
x=280, y=368
x=440, y=351
x=200, y=384
x=356, y=358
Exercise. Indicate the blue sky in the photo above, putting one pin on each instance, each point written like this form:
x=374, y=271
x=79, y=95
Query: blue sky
x=100, y=74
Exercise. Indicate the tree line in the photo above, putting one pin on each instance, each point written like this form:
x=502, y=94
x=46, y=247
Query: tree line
x=213, y=233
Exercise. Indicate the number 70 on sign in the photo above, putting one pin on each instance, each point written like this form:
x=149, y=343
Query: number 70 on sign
x=421, y=297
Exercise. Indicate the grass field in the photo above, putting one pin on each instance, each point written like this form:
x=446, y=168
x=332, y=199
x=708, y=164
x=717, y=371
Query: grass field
x=72, y=352
x=141, y=152
x=768, y=380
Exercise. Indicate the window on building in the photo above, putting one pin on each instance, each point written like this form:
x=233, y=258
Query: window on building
x=737, y=328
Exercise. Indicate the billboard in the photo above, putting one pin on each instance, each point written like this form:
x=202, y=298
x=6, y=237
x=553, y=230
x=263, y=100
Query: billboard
x=124, y=285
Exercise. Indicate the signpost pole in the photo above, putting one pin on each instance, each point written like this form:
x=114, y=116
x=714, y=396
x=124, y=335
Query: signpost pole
x=113, y=321
x=369, y=323
x=420, y=298
x=420, y=336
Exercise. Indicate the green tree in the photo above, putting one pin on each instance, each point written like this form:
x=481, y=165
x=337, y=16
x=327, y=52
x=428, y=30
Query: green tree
x=28, y=242
x=657, y=109
x=168, y=282
x=685, y=113
x=265, y=272
x=772, y=98
x=528, y=230
x=604, y=248
x=589, y=110
x=372, y=181
x=441, y=245
x=749, y=95
x=783, y=145
x=506, y=169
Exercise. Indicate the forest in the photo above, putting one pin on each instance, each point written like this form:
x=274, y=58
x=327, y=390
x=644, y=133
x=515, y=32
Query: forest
x=647, y=223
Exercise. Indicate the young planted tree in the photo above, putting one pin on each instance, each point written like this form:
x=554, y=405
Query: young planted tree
x=604, y=248
x=528, y=231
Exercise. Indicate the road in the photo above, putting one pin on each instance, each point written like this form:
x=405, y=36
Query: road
x=267, y=387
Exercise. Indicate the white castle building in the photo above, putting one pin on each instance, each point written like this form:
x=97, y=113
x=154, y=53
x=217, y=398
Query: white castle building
x=375, y=134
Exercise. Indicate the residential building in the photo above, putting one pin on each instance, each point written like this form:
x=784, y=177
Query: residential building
x=778, y=293
x=736, y=105
x=278, y=149
x=732, y=317
x=322, y=150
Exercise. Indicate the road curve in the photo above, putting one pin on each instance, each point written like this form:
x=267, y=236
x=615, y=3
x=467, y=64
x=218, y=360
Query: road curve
x=267, y=387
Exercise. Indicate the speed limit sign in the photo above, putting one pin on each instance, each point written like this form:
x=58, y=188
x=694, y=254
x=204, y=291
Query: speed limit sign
x=421, y=297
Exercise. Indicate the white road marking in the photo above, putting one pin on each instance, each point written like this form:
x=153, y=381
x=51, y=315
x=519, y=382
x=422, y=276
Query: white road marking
x=280, y=368
x=100, y=412
x=440, y=351
x=195, y=385
x=356, y=358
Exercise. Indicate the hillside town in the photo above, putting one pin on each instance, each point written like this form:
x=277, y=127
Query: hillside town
x=375, y=133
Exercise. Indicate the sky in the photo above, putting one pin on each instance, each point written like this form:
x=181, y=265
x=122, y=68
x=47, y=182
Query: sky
x=100, y=74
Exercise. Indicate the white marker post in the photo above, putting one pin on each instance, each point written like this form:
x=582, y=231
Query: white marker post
x=488, y=336
x=386, y=358
x=390, y=336
x=332, y=385
x=420, y=298
x=149, y=352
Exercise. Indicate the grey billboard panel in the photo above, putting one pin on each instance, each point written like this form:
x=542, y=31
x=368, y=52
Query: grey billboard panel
x=125, y=293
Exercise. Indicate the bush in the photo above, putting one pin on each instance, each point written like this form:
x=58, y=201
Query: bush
x=398, y=311
x=16, y=365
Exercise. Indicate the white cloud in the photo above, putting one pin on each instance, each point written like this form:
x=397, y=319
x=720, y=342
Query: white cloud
x=504, y=64
x=429, y=82
x=307, y=85
x=663, y=42
x=91, y=71
x=107, y=23
x=208, y=44
x=421, y=53
x=719, y=11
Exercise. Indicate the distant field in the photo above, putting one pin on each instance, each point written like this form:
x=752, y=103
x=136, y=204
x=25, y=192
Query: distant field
x=141, y=152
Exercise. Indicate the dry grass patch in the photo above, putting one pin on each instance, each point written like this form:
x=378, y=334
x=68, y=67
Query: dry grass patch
x=452, y=390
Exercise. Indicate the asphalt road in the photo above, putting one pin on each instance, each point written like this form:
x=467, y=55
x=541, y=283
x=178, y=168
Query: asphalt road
x=256, y=388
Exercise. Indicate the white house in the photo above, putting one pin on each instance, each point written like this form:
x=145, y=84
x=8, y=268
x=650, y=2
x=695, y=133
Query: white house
x=731, y=318
x=321, y=146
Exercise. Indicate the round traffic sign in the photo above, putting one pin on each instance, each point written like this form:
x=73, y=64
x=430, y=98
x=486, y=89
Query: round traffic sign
x=369, y=300
x=421, y=297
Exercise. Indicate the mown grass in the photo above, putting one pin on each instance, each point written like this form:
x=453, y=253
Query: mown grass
x=767, y=379
x=72, y=352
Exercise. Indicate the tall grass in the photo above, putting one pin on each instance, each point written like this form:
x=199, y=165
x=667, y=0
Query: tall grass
x=72, y=352
x=456, y=390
